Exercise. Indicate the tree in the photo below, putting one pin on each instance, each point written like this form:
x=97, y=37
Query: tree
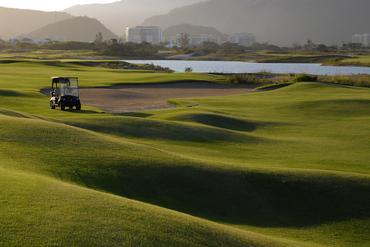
x=310, y=45
x=99, y=38
x=296, y=46
x=184, y=40
x=322, y=48
x=3, y=44
x=210, y=47
x=113, y=42
x=188, y=69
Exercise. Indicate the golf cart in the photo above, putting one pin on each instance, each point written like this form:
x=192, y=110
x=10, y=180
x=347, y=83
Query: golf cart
x=65, y=92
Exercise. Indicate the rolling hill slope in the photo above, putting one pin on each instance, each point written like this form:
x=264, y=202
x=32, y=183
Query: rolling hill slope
x=191, y=30
x=83, y=29
x=15, y=22
x=280, y=168
x=38, y=211
x=125, y=13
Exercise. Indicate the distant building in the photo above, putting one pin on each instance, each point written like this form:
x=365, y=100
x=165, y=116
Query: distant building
x=363, y=39
x=144, y=34
x=200, y=39
x=244, y=39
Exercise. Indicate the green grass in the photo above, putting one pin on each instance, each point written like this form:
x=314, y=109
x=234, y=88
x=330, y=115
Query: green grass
x=288, y=167
x=357, y=61
x=49, y=54
x=38, y=211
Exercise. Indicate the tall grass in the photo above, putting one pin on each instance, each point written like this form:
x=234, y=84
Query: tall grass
x=259, y=79
x=350, y=80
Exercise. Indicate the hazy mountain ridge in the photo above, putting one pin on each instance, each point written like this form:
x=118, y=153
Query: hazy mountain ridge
x=279, y=21
x=82, y=29
x=15, y=22
x=119, y=15
x=190, y=29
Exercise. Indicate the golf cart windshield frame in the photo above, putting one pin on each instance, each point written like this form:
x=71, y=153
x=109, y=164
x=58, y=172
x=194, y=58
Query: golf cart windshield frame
x=66, y=86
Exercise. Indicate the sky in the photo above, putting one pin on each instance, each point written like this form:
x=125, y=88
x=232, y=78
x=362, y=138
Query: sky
x=47, y=5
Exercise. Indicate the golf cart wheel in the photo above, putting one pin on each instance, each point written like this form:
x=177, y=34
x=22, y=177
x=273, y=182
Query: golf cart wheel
x=62, y=107
x=78, y=107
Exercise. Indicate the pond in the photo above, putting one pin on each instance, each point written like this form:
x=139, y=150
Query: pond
x=247, y=67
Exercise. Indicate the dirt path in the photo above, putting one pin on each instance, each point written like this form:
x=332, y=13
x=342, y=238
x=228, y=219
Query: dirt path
x=129, y=98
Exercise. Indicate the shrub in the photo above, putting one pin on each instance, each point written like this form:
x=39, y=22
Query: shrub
x=259, y=79
x=305, y=77
x=188, y=70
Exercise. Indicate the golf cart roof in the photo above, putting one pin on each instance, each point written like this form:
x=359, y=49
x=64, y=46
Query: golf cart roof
x=63, y=77
x=63, y=80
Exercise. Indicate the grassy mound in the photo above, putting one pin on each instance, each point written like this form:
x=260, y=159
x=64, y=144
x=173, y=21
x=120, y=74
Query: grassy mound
x=289, y=164
x=38, y=211
x=261, y=198
x=221, y=121
x=159, y=130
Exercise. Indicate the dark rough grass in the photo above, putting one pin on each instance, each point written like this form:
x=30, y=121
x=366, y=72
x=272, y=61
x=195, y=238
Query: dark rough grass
x=220, y=121
x=10, y=93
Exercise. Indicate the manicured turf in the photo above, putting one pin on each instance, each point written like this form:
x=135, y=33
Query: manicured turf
x=290, y=165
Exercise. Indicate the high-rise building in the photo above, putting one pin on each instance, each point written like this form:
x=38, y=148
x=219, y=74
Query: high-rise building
x=244, y=39
x=363, y=39
x=144, y=34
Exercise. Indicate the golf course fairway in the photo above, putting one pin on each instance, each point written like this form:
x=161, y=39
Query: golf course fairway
x=287, y=167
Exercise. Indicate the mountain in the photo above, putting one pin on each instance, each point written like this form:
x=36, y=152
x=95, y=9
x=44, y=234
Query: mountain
x=125, y=13
x=278, y=21
x=190, y=29
x=74, y=29
x=15, y=22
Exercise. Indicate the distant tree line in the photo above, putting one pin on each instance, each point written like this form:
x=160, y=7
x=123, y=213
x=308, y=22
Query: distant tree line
x=112, y=47
x=115, y=47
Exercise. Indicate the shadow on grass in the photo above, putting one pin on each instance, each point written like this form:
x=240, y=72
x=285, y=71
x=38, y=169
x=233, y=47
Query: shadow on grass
x=12, y=113
x=220, y=121
x=162, y=130
x=57, y=64
x=10, y=93
x=10, y=61
x=135, y=114
x=82, y=111
x=182, y=84
x=239, y=197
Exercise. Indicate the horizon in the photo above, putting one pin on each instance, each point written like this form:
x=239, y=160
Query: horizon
x=42, y=5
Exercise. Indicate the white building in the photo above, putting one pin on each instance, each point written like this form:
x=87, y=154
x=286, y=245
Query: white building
x=144, y=34
x=244, y=39
x=363, y=39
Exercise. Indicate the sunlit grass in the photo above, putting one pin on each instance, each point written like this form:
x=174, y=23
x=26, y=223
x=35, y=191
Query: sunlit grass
x=291, y=164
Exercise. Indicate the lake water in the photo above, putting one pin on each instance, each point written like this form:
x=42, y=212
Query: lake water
x=246, y=67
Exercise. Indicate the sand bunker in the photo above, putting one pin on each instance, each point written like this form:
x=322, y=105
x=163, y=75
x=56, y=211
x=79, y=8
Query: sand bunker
x=130, y=98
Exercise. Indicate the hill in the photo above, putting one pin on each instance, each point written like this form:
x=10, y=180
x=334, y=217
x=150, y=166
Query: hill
x=279, y=21
x=16, y=22
x=190, y=29
x=82, y=29
x=125, y=13
x=37, y=210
